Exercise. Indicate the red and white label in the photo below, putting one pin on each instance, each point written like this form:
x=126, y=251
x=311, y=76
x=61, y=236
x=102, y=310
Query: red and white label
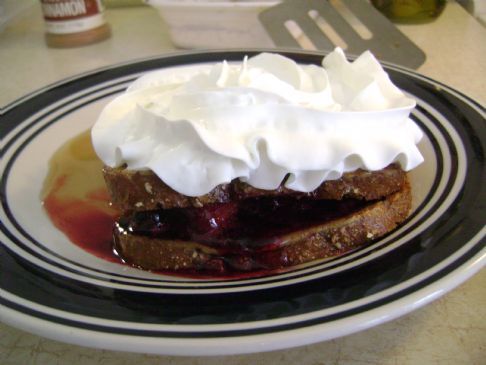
x=72, y=16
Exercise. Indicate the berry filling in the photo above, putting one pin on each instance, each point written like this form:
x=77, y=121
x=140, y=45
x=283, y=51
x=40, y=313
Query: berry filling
x=254, y=224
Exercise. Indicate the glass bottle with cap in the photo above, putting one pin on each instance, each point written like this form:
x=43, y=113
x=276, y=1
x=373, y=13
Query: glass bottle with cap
x=410, y=11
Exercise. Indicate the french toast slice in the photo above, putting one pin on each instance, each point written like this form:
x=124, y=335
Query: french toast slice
x=143, y=190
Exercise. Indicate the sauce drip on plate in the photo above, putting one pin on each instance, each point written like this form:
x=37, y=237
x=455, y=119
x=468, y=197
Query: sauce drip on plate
x=76, y=200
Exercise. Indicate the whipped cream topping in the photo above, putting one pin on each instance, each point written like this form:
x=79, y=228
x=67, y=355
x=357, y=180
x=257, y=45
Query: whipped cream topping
x=200, y=126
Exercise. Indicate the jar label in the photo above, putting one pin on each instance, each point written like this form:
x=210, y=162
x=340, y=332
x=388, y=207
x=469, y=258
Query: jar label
x=72, y=16
x=75, y=25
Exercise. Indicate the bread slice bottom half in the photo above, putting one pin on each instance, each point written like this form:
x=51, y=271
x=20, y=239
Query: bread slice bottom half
x=321, y=241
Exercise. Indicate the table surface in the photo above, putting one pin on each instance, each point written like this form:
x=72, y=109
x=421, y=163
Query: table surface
x=451, y=330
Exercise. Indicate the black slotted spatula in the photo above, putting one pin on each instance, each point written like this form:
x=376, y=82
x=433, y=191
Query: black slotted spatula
x=355, y=25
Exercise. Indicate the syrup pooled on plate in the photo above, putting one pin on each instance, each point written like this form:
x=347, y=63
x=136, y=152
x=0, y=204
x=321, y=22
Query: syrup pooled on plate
x=76, y=200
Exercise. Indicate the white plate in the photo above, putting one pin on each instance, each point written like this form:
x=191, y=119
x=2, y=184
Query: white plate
x=51, y=287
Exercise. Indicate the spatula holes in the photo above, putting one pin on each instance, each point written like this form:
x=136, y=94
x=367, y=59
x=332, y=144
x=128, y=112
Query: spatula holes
x=296, y=32
x=327, y=29
x=352, y=20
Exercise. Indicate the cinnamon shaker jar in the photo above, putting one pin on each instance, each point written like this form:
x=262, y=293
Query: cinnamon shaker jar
x=72, y=23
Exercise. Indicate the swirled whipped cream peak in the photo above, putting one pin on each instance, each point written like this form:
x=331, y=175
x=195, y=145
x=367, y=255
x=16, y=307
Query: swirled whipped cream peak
x=259, y=120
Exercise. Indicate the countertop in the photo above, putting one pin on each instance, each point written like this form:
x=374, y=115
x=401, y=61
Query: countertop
x=451, y=330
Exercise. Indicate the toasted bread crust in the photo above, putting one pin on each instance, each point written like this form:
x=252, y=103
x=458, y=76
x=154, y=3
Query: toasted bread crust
x=143, y=190
x=324, y=241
